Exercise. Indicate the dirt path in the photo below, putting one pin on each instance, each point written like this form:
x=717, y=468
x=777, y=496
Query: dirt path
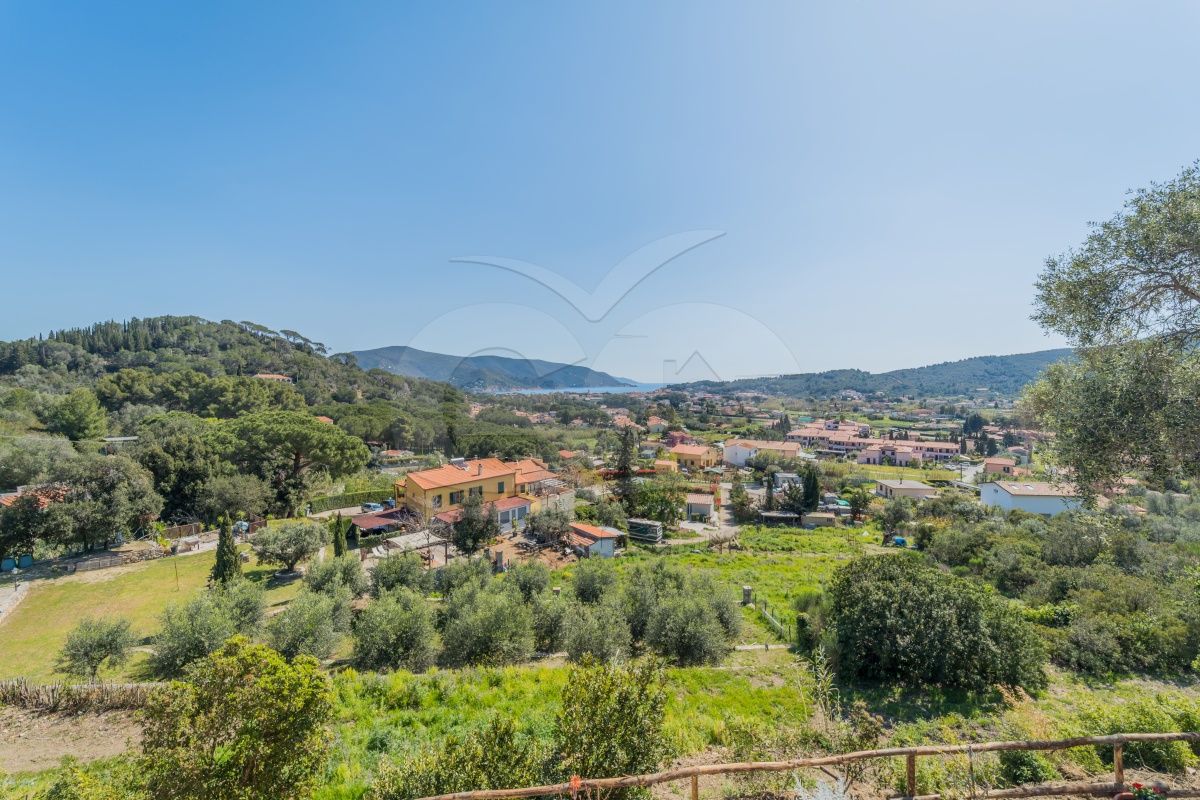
x=31, y=742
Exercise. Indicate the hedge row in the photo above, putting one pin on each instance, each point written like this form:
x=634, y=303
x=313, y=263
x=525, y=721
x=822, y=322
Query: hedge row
x=319, y=504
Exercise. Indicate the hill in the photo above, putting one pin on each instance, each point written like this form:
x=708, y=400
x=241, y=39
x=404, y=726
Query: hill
x=992, y=375
x=482, y=372
x=227, y=349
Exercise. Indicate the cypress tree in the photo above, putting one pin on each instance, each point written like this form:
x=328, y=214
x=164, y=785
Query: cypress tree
x=339, y=537
x=812, y=488
x=227, y=566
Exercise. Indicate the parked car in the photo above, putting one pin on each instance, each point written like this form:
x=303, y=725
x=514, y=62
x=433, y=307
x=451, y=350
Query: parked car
x=369, y=507
x=389, y=504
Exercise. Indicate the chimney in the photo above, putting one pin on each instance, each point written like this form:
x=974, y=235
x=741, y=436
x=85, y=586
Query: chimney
x=479, y=469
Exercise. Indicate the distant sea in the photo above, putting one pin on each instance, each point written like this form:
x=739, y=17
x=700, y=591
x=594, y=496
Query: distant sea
x=637, y=387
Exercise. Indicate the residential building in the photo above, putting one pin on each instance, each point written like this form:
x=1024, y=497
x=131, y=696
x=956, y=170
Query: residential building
x=695, y=456
x=845, y=438
x=785, y=479
x=672, y=438
x=999, y=466
x=897, y=454
x=665, y=465
x=507, y=510
x=656, y=424
x=902, y=488
x=700, y=507
x=737, y=451
x=590, y=540
x=1047, y=499
x=515, y=489
x=432, y=491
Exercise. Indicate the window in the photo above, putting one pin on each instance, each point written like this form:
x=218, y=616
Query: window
x=500, y=487
x=436, y=501
x=456, y=498
x=475, y=491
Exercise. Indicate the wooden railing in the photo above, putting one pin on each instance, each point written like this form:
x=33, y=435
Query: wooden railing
x=598, y=786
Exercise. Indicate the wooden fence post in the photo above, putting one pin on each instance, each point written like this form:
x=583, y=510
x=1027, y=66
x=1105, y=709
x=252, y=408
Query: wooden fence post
x=695, y=787
x=1119, y=766
x=910, y=777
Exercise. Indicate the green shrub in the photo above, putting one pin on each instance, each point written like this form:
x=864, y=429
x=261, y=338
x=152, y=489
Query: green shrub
x=198, y=627
x=289, y=544
x=350, y=500
x=1144, y=715
x=1026, y=766
x=492, y=757
x=244, y=724
x=611, y=722
x=549, y=622
x=684, y=628
x=532, y=578
x=897, y=619
x=461, y=572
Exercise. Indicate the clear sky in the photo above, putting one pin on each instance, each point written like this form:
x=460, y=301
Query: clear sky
x=888, y=176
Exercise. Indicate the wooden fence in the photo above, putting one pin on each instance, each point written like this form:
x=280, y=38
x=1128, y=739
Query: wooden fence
x=180, y=531
x=597, y=786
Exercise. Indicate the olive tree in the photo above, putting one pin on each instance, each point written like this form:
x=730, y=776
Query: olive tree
x=1128, y=300
x=308, y=626
x=288, y=544
x=92, y=642
x=395, y=631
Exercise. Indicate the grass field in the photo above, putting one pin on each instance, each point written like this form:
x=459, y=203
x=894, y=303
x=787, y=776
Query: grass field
x=397, y=714
x=34, y=632
x=895, y=473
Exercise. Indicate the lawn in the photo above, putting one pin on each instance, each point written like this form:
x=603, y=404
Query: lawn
x=34, y=633
x=774, y=562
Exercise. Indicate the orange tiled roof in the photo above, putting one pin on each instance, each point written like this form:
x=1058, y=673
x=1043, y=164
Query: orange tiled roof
x=690, y=450
x=591, y=531
x=452, y=475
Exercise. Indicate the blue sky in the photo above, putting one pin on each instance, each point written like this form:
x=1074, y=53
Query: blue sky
x=888, y=177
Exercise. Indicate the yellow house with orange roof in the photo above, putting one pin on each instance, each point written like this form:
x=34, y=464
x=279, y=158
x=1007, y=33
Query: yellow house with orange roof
x=432, y=491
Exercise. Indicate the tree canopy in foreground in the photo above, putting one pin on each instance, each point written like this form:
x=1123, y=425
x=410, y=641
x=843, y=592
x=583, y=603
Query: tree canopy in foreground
x=1129, y=300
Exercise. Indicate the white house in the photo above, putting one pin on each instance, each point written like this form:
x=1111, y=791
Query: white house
x=737, y=451
x=783, y=479
x=699, y=506
x=915, y=489
x=1046, y=499
x=589, y=540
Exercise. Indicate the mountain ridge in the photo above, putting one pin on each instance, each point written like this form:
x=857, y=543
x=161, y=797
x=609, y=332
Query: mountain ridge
x=997, y=375
x=482, y=372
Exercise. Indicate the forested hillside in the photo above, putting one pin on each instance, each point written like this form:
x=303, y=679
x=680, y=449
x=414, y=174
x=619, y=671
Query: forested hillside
x=997, y=375
x=211, y=439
